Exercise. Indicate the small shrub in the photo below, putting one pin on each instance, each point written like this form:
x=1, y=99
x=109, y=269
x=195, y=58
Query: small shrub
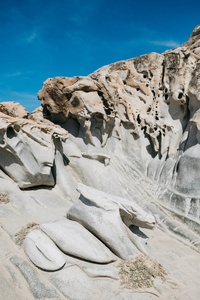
x=140, y=273
x=20, y=236
x=4, y=198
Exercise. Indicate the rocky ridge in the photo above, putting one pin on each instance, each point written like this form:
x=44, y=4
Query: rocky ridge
x=104, y=159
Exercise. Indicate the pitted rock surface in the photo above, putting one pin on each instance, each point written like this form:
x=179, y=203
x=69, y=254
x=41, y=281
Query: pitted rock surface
x=103, y=160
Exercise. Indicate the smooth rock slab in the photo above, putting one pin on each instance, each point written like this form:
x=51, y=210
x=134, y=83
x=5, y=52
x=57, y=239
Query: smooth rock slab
x=105, y=222
x=43, y=252
x=109, y=218
x=76, y=285
x=73, y=239
x=38, y=288
x=131, y=213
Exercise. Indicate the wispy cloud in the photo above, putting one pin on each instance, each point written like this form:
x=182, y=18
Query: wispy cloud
x=167, y=43
x=31, y=37
x=13, y=74
x=17, y=74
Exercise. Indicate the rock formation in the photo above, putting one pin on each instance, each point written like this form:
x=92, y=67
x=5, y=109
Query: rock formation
x=85, y=176
x=148, y=106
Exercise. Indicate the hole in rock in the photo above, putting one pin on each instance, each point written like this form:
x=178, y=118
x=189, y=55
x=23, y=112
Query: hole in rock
x=68, y=96
x=156, y=118
x=180, y=95
x=149, y=109
x=75, y=102
x=108, y=111
x=166, y=97
x=138, y=119
x=10, y=132
x=108, y=78
x=151, y=74
x=46, y=112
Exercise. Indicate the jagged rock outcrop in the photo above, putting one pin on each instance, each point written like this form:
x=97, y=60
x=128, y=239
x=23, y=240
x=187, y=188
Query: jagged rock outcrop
x=13, y=109
x=85, y=176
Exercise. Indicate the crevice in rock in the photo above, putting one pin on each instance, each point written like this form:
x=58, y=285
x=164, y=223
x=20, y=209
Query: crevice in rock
x=107, y=107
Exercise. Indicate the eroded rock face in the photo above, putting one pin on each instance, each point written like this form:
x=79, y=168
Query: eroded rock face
x=43, y=252
x=148, y=106
x=105, y=158
x=27, y=151
x=109, y=218
x=98, y=225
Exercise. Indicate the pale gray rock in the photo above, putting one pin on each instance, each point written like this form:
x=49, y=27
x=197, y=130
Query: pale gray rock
x=95, y=271
x=70, y=149
x=38, y=288
x=75, y=284
x=102, y=214
x=150, y=104
x=105, y=159
x=79, y=285
x=10, y=287
x=42, y=251
x=27, y=151
x=73, y=239
x=62, y=173
x=131, y=212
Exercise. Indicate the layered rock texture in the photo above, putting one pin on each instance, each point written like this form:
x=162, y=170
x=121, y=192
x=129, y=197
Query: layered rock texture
x=85, y=177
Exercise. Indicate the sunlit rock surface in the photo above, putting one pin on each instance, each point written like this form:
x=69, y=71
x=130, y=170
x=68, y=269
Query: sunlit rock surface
x=146, y=108
x=105, y=159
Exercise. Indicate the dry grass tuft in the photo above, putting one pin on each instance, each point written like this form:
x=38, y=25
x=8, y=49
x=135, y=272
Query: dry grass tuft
x=20, y=236
x=4, y=198
x=140, y=273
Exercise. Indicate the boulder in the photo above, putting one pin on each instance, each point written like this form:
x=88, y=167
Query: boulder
x=73, y=239
x=103, y=215
x=13, y=109
x=42, y=251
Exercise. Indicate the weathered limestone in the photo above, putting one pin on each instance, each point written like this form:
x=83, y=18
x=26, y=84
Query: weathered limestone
x=74, y=239
x=43, y=252
x=125, y=141
x=13, y=109
x=98, y=217
x=27, y=151
x=150, y=104
x=103, y=215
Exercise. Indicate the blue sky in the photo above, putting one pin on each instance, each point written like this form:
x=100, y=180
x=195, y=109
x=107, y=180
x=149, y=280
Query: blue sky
x=41, y=39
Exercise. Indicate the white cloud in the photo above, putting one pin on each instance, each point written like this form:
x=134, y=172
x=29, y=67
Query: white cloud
x=167, y=43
